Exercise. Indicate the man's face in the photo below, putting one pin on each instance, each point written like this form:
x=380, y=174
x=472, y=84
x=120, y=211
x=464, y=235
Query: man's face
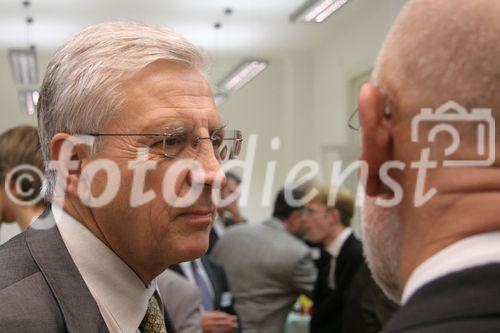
x=156, y=234
x=382, y=246
x=317, y=222
x=229, y=188
x=295, y=225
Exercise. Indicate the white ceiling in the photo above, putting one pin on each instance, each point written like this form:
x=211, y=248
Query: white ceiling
x=256, y=27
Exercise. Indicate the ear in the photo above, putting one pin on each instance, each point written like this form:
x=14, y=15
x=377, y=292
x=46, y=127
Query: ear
x=376, y=136
x=334, y=214
x=11, y=185
x=69, y=155
x=294, y=215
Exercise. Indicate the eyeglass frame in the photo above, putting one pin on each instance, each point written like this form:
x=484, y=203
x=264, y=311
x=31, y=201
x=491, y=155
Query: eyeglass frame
x=236, y=140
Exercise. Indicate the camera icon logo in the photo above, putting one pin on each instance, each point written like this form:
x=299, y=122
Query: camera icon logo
x=446, y=118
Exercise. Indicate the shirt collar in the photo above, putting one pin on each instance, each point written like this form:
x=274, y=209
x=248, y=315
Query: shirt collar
x=119, y=292
x=472, y=251
x=335, y=247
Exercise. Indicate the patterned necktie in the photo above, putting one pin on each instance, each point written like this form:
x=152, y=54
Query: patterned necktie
x=153, y=321
x=206, y=296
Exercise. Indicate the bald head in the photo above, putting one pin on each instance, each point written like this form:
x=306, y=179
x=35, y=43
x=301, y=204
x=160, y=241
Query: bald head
x=441, y=50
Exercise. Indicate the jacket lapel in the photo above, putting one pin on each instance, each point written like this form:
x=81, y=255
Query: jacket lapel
x=78, y=307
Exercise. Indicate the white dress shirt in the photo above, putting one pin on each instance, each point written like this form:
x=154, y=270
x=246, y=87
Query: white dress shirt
x=334, y=249
x=470, y=252
x=119, y=293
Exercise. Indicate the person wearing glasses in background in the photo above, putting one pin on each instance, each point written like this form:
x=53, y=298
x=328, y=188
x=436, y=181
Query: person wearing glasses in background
x=21, y=200
x=89, y=263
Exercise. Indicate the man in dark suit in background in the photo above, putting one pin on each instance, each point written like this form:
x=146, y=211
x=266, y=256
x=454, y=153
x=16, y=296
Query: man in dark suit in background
x=346, y=298
x=329, y=225
x=431, y=221
x=217, y=301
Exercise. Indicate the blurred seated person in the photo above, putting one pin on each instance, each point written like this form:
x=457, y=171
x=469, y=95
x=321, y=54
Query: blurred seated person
x=227, y=215
x=182, y=301
x=20, y=186
x=218, y=314
x=267, y=267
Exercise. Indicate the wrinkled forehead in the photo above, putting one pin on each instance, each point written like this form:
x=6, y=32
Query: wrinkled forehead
x=165, y=92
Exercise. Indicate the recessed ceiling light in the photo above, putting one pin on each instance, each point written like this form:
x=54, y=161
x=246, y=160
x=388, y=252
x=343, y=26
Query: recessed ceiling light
x=24, y=66
x=317, y=10
x=243, y=74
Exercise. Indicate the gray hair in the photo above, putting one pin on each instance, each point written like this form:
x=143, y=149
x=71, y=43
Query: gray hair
x=80, y=90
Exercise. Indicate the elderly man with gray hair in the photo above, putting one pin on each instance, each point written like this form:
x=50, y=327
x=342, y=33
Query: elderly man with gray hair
x=431, y=220
x=133, y=145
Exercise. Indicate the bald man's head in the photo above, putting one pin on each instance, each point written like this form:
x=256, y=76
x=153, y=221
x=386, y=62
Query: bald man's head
x=441, y=50
x=437, y=51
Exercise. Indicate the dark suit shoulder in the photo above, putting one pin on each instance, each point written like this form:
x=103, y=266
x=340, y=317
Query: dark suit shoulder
x=352, y=248
x=469, y=298
x=16, y=262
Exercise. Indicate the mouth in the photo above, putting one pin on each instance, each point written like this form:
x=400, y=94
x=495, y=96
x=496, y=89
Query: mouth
x=198, y=216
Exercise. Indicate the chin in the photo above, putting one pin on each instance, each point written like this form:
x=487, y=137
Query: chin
x=382, y=246
x=192, y=248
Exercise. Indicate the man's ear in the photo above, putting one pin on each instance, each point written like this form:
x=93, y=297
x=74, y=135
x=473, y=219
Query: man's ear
x=376, y=137
x=69, y=155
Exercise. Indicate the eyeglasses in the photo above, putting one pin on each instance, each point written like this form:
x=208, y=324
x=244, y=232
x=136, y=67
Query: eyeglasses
x=226, y=143
x=353, y=121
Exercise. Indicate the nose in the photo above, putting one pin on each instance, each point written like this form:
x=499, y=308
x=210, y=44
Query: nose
x=211, y=167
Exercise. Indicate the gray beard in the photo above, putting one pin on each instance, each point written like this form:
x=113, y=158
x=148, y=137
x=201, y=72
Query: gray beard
x=382, y=246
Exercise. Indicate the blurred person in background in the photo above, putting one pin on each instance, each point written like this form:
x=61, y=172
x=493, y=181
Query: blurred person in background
x=436, y=250
x=267, y=267
x=229, y=214
x=20, y=148
x=206, y=274
x=330, y=226
x=182, y=301
x=346, y=298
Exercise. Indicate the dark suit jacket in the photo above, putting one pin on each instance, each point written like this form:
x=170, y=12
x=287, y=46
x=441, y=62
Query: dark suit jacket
x=462, y=302
x=367, y=309
x=41, y=289
x=218, y=279
x=212, y=240
x=329, y=304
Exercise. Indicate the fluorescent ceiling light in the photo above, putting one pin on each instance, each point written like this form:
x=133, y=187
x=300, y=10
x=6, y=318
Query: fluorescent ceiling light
x=220, y=98
x=317, y=10
x=242, y=74
x=28, y=99
x=24, y=66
